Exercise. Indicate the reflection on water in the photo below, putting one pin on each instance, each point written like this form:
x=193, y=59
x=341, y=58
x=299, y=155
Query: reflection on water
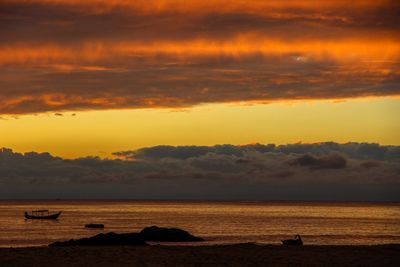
x=229, y=222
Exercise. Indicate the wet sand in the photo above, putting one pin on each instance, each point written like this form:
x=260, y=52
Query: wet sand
x=227, y=255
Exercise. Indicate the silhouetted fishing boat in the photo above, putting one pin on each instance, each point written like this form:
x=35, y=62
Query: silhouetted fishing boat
x=95, y=225
x=42, y=215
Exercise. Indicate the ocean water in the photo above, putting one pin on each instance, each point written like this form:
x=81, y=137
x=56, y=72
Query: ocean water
x=217, y=222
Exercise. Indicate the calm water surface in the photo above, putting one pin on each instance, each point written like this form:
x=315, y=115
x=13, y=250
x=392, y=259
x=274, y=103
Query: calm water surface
x=217, y=222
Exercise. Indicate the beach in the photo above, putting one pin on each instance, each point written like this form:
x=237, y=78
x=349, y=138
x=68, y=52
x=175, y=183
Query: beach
x=235, y=233
x=219, y=223
x=221, y=255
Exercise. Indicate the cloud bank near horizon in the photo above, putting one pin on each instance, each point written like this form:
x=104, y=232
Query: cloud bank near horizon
x=323, y=171
x=58, y=55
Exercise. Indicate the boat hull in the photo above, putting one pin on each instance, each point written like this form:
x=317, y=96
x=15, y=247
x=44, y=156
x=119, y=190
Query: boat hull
x=95, y=226
x=47, y=217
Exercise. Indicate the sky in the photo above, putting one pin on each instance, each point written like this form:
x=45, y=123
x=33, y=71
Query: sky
x=94, y=79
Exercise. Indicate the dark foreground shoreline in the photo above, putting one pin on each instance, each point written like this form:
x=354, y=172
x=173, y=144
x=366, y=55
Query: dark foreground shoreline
x=221, y=255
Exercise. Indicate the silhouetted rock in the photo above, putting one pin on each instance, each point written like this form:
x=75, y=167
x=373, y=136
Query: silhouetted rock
x=152, y=233
x=155, y=233
x=108, y=239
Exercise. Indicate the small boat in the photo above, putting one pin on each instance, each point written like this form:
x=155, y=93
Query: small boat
x=293, y=242
x=42, y=215
x=95, y=225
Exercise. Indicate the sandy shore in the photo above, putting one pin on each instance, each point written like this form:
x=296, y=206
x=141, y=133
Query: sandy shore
x=230, y=255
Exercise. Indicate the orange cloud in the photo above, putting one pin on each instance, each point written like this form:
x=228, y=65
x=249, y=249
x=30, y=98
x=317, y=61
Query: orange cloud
x=197, y=6
x=374, y=51
x=67, y=54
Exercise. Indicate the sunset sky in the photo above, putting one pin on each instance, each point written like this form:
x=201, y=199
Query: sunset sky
x=96, y=78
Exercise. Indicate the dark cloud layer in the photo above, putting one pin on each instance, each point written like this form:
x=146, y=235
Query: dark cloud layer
x=72, y=55
x=324, y=171
x=332, y=161
x=361, y=151
x=43, y=21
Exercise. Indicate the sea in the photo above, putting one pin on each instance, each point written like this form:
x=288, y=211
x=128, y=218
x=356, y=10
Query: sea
x=319, y=223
